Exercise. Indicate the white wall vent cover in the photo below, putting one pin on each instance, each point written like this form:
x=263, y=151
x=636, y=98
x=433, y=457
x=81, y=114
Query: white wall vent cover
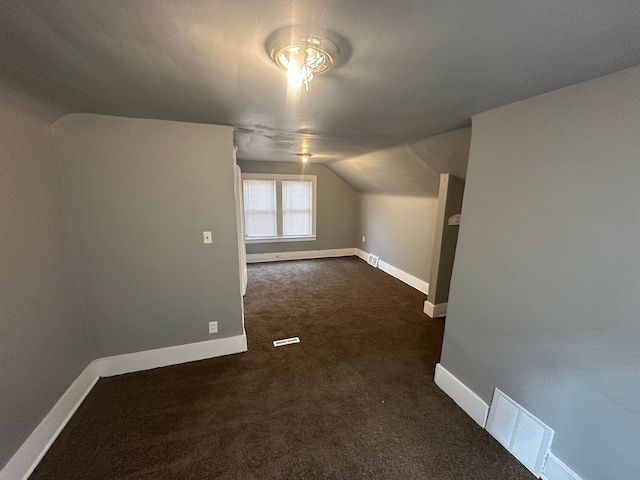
x=286, y=341
x=373, y=260
x=522, y=434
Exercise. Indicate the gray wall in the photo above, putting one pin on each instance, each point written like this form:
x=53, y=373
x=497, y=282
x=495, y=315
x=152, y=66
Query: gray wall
x=544, y=295
x=446, y=238
x=43, y=340
x=337, y=216
x=400, y=230
x=139, y=194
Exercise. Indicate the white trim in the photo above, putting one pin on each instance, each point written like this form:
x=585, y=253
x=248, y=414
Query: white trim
x=435, y=311
x=405, y=277
x=410, y=280
x=555, y=469
x=280, y=239
x=466, y=399
x=281, y=256
x=278, y=178
x=162, y=357
x=26, y=459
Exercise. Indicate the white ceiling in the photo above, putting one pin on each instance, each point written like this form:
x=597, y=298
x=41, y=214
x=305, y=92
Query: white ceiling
x=409, y=69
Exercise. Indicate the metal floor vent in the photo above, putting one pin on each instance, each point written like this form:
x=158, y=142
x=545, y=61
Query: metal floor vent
x=285, y=341
x=522, y=434
x=373, y=260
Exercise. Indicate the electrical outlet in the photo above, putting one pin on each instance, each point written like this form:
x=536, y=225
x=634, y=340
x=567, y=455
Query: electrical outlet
x=213, y=327
x=363, y=239
x=206, y=237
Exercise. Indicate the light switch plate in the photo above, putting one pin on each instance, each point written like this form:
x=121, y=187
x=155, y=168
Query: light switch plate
x=207, y=237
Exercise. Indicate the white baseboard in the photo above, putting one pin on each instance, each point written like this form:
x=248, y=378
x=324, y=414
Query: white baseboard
x=410, y=280
x=466, y=399
x=435, y=311
x=555, y=469
x=403, y=276
x=26, y=459
x=163, y=357
x=306, y=255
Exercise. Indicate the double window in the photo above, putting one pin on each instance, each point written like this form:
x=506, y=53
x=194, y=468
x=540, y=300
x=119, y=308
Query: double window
x=279, y=208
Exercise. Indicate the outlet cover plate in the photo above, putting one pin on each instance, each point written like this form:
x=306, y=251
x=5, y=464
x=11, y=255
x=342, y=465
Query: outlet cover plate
x=213, y=327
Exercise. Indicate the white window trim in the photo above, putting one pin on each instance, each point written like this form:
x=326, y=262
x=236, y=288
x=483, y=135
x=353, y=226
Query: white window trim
x=279, y=178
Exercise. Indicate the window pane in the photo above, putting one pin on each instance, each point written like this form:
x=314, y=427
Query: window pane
x=260, y=208
x=297, y=201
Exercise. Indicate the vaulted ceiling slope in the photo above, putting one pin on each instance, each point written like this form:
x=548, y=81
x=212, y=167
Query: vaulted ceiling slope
x=410, y=169
x=408, y=69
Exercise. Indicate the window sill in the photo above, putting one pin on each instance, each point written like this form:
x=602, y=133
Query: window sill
x=280, y=239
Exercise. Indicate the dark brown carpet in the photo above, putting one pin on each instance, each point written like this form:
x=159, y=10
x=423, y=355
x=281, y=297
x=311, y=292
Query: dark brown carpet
x=354, y=399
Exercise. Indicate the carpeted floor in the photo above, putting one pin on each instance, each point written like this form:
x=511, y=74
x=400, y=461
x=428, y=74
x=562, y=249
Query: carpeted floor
x=354, y=399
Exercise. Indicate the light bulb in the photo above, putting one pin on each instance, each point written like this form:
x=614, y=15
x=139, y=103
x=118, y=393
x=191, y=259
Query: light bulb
x=294, y=62
x=294, y=74
x=304, y=157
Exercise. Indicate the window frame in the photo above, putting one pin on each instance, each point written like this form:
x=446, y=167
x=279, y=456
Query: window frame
x=279, y=178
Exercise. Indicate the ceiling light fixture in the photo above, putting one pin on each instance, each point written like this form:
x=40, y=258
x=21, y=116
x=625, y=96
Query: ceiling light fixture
x=304, y=156
x=303, y=57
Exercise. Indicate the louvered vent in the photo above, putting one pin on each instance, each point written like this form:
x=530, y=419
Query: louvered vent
x=373, y=260
x=286, y=341
x=526, y=437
